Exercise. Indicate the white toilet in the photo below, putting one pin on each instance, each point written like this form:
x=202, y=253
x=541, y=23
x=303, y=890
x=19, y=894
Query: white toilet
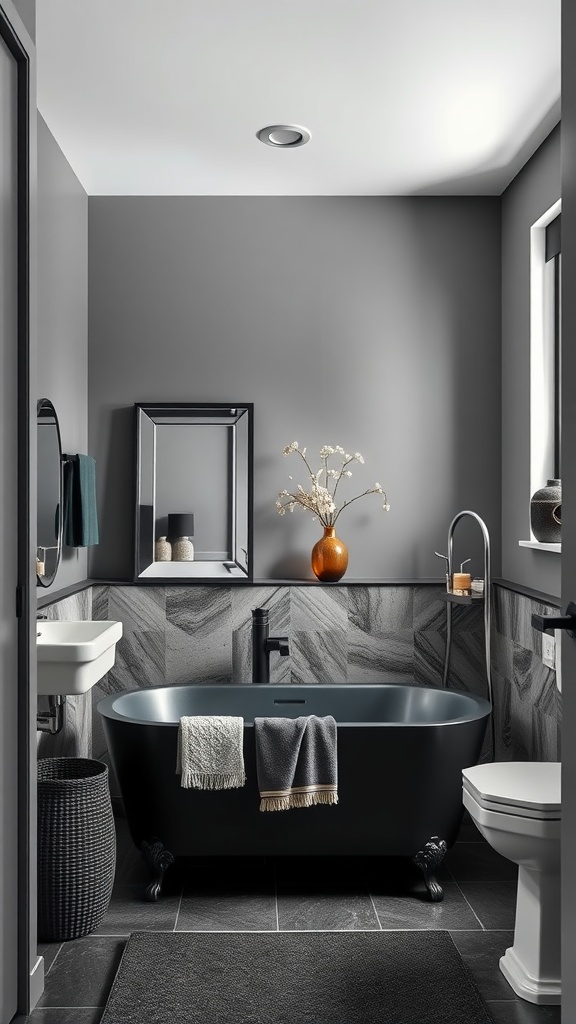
x=516, y=806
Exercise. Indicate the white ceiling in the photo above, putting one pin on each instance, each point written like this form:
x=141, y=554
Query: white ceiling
x=401, y=96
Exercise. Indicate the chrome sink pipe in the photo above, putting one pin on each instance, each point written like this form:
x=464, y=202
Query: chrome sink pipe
x=262, y=644
x=51, y=718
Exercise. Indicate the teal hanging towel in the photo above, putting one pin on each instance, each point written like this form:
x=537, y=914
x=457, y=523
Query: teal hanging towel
x=80, y=512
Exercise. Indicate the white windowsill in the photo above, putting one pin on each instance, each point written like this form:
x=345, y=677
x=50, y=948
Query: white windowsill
x=538, y=546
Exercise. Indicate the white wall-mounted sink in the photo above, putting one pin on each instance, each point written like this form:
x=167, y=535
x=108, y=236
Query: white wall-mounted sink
x=72, y=656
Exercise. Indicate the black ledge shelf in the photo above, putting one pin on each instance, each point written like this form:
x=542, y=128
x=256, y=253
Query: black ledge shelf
x=163, y=581
x=447, y=595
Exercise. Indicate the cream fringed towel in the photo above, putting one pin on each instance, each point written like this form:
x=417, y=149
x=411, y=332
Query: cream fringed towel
x=296, y=762
x=210, y=752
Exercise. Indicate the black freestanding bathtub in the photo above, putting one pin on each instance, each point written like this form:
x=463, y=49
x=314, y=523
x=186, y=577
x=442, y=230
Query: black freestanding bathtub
x=401, y=751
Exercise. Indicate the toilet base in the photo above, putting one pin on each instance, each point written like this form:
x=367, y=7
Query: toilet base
x=532, y=965
x=547, y=992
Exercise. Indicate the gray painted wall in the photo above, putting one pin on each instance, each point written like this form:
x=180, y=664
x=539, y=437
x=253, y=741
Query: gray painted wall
x=531, y=193
x=27, y=11
x=370, y=322
x=62, y=311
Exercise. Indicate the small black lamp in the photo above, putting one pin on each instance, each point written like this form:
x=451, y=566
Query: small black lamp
x=180, y=530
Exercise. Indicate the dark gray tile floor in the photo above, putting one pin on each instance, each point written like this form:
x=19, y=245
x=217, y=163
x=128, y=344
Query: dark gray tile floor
x=297, y=894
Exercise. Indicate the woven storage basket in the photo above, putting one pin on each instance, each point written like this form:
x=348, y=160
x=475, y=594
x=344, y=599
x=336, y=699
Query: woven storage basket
x=76, y=847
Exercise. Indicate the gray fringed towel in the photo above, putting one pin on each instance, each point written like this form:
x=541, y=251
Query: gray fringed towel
x=296, y=762
x=210, y=753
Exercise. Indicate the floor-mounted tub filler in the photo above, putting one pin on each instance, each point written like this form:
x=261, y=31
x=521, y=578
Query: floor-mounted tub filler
x=401, y=751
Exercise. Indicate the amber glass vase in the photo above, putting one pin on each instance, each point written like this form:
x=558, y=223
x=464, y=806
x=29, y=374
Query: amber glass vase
x=329, y=557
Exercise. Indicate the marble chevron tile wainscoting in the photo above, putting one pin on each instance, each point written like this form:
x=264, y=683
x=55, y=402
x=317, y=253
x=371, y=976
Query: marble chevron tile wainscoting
x=343, y=635
x=527, y=703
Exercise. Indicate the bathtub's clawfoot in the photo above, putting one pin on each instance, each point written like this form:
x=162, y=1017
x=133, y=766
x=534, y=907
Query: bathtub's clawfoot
x=429, y=860
x=157, y=859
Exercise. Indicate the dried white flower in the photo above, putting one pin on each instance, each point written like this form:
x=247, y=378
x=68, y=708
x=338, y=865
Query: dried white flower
x=323, y=500
x=320, y=499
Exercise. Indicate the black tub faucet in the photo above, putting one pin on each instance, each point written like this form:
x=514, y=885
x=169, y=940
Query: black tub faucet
x=262, y=644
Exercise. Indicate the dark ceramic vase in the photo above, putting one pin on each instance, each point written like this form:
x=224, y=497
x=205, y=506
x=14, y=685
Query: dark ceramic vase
x=546, y=513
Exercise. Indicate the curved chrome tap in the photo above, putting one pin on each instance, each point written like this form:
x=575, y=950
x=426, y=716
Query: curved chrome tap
x=487, y=600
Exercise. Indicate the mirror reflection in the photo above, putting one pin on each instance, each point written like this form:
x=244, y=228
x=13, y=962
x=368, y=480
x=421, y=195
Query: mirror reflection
x=193, y=491
x=49, y=499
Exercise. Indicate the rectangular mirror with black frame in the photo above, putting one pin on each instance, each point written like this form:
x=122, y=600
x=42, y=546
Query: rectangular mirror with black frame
x=194, y=492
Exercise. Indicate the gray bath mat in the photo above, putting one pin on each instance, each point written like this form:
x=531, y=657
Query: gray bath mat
x=293, y=978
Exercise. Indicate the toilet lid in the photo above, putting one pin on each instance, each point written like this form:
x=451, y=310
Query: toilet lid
x=532, y=785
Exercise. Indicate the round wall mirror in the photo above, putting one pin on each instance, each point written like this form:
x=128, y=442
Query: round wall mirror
x=49, y=500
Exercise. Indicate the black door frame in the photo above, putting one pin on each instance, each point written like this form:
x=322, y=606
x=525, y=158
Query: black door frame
x=19, y=45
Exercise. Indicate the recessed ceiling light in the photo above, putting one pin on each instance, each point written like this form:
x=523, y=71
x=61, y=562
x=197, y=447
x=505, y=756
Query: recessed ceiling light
x=284, y=136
